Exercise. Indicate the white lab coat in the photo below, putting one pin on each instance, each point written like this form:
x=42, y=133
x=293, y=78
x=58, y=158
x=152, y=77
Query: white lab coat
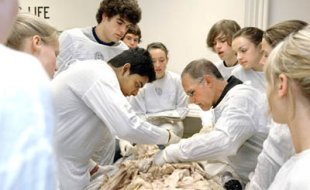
x=240, y=129
x=27, y=159
x=277, y=149
x=224, y=70
x=91, y=111
x=255, y=78
x=80, y=44
x=165, y=94
x=293, y=175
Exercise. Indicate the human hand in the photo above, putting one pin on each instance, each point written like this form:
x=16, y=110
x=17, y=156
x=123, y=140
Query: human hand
x=126, y=147
x=173, y=138
x=160, y=158
x=99, y=170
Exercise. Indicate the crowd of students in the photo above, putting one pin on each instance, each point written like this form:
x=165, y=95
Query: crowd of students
x=67, y=100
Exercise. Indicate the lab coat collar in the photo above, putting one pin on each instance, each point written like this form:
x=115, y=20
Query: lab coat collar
x=231, y=82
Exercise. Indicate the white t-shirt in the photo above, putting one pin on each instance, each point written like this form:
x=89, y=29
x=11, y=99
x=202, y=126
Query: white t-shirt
x=163, y=95
x=278, y=148
x=80, y=44
x=293, y=175
x=224, y=70
x=27, y=159
x=255, y=78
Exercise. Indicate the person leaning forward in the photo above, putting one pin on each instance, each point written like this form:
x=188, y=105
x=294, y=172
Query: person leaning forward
x=239, y=120
x=92, y=109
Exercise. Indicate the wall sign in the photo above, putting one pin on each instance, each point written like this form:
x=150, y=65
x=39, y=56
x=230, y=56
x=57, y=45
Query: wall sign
x=63, y=14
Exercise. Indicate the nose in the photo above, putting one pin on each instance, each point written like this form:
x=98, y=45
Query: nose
x=123, y=30
x=135, y=92
x=217, y=46
x=131, y=43
x=239, y=57
x=191, y=99
x=156, y=64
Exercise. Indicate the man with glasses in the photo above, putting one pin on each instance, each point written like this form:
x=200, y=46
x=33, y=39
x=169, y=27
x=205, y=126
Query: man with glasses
x=239, y=120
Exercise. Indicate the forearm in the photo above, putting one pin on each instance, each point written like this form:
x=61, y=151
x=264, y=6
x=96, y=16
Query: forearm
x=201, y=147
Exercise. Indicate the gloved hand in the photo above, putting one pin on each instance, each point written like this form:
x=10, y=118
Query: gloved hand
x=173, y=138
x=102, y=170
x=126, y=147
x=160, y=158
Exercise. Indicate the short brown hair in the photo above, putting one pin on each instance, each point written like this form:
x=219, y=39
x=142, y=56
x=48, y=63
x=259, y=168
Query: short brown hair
x=134, y=29
x=226, y=27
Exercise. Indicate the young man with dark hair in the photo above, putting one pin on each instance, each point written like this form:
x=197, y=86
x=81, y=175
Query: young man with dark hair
x=92, y=109
x=102, y=41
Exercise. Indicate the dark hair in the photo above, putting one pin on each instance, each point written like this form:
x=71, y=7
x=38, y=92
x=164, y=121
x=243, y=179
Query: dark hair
x=253, y=34
x=140, y=61
x=278, y=32
x=157, y=45
x=225, y=27
x=126, y=9
x=200, y=67
x=134, y=29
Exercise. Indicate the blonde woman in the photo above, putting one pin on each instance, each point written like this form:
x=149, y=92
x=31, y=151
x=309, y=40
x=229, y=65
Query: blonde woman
x=288, y=90
x=26, y=115
x=278, y=146
x=33, y=35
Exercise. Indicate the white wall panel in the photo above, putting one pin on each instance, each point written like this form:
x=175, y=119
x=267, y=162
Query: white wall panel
x=181, y=24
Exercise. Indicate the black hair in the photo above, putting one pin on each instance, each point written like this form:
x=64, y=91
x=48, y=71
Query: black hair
x=140, y=61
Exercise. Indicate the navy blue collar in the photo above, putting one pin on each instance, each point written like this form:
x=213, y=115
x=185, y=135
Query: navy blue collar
x=231, y=82
x=100, y=41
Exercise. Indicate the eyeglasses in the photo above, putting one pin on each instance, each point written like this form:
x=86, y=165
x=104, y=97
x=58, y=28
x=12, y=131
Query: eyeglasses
x=191, y=92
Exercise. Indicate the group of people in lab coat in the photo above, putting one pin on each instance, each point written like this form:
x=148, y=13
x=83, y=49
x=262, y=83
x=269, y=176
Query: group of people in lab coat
x=96, y=71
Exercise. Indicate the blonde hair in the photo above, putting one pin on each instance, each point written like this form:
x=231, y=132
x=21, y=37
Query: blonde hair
x=291, y=58
x=28, y=25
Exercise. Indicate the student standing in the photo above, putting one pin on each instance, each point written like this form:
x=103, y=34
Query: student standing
x=278, y=146
x=33, y=35
x=102, y=41
x=26, y=115
x=247, y=46
x=219, y=40
x=164, y=94
x=288, y=75
x=133, y=36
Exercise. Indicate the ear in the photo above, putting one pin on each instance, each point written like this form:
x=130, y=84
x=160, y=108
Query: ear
x=282, y=85
x=208, y=79
x=104, y=17
x=36, y=43
x=126, y=69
